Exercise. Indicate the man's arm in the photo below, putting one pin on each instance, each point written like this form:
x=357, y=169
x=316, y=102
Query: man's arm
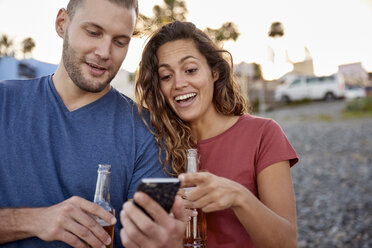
x=70, y=221
x=15, y=223
x=166, y=230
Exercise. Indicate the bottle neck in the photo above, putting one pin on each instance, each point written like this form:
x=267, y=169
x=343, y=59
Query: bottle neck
x=102, y=193
x=192, y=165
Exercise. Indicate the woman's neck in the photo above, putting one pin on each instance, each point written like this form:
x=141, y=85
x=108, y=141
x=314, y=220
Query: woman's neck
x=211, y=127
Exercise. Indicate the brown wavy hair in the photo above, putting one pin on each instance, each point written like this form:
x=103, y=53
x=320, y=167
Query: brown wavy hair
x=172, y=134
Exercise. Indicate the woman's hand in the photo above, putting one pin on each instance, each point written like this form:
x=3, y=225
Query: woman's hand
x=210, y=192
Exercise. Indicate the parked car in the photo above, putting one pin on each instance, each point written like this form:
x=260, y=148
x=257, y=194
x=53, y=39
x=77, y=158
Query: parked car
x=354, y=92
x=312, y=88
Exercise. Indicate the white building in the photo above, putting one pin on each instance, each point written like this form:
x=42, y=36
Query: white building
x=354, y=73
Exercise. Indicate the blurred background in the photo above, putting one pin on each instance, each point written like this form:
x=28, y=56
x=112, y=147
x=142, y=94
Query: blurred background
x=306, y=64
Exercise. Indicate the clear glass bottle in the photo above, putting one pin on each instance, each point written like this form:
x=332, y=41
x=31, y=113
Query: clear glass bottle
x=102, y=197
x=196, y=228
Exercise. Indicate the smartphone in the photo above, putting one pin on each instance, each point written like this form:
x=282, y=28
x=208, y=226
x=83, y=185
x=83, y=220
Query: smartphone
x=162, y=190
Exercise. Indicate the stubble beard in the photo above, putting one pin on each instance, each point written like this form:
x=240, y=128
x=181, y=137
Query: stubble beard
x=71, y=63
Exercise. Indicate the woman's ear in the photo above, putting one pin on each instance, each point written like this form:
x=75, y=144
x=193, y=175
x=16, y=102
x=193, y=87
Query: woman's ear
x=216, y=75
x=61, y=22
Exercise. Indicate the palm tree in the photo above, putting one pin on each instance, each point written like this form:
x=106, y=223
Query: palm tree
x=6, y=46
x=176, y=10
x=171, y=10
x=28, y=45
x=276, y=30
x=227, y=31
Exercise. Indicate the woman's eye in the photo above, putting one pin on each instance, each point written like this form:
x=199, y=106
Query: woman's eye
x=166, y=77
x=192, y=70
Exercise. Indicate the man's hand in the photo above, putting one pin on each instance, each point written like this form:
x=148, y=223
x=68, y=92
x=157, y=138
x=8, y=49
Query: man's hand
x=166, y=230
x=71, y=221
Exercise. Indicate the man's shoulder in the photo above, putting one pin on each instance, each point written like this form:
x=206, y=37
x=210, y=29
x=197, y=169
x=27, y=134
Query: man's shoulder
x=124, y=98
x=126, y=101
x=22, y=84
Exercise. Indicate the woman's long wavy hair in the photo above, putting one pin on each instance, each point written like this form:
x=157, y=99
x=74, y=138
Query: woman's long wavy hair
x=172, y=134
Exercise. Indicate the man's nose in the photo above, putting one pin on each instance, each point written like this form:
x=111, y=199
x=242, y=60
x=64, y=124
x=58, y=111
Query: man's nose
x=103, y=49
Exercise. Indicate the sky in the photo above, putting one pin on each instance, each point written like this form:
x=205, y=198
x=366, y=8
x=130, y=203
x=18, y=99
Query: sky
x=335, y=32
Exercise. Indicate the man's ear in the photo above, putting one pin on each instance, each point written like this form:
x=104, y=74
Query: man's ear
x=61, y=22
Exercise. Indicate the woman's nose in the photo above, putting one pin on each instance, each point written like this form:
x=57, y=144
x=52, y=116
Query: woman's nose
x=179, y=81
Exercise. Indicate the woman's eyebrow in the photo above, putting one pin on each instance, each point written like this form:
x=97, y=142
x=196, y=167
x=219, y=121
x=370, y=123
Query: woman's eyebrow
x=179, y=62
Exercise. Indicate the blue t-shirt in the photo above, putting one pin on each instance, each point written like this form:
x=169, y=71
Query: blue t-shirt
x=48, y=154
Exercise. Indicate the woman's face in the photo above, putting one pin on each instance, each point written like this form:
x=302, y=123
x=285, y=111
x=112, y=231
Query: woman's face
x=186, y=80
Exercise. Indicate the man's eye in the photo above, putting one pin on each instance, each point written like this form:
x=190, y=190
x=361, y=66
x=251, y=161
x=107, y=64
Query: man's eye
x=121, y=43
x=92, y=33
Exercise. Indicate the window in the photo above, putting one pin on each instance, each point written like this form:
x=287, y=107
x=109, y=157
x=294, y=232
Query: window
x=25, y=70
x=295, y=83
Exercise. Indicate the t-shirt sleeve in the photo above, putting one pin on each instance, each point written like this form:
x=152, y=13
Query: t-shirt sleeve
x=147, y=162
x=274, y=147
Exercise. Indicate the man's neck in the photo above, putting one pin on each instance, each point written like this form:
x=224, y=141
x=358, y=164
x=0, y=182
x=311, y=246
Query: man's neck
x=72, y=96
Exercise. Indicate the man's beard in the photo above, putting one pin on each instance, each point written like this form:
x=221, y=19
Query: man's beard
x=71, y=63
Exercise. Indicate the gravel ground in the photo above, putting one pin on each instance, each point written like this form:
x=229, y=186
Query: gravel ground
x=333, y=180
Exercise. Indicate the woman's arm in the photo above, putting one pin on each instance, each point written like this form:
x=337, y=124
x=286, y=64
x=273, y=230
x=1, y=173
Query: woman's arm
x=269, y=220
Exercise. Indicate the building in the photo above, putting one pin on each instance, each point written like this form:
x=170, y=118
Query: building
x=305, y=66
x=12, y=68
x=354, y=74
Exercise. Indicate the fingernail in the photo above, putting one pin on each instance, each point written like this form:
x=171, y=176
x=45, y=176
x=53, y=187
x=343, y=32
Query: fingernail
x=108, y=241
x=195, y=213
x=113, y=220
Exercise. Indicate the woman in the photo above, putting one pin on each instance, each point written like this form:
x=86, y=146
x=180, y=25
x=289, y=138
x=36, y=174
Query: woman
x=246, y=188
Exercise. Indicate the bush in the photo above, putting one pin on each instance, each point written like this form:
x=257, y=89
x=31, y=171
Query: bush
x=359, y=108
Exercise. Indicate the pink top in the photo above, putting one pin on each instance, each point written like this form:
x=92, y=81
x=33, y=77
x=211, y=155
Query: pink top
x=240, y=154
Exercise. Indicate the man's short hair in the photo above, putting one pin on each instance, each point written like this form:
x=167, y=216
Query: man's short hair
x=73, y=5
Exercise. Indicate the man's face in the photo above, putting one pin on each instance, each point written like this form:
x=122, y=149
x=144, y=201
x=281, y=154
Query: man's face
x=96, y=42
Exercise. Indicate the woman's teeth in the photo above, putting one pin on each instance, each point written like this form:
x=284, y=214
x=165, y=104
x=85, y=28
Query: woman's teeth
x=184, y=97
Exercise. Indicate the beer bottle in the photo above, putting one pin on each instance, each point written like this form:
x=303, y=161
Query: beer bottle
x=196, y=228
x=102, y=198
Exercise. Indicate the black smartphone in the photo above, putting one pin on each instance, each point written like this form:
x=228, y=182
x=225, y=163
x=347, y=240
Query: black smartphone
x=162, y=190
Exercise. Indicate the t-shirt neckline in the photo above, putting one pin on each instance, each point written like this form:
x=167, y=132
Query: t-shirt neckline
x=81, y=109
x=204, y=141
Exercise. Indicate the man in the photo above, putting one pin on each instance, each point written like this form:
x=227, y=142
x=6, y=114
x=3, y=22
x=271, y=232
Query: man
x=55, y=130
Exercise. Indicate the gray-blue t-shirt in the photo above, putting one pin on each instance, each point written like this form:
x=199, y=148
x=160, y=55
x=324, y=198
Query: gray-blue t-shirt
x=48, y=154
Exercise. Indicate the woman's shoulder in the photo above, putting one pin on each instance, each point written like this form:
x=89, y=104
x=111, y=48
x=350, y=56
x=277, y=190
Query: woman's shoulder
x=255, y=121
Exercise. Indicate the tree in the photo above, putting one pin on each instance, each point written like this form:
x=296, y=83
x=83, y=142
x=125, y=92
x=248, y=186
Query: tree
x=6, y=46
x=276, y=30
x=173, y=10
x=28, y=45
x=227, y=31
x=257, y=71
